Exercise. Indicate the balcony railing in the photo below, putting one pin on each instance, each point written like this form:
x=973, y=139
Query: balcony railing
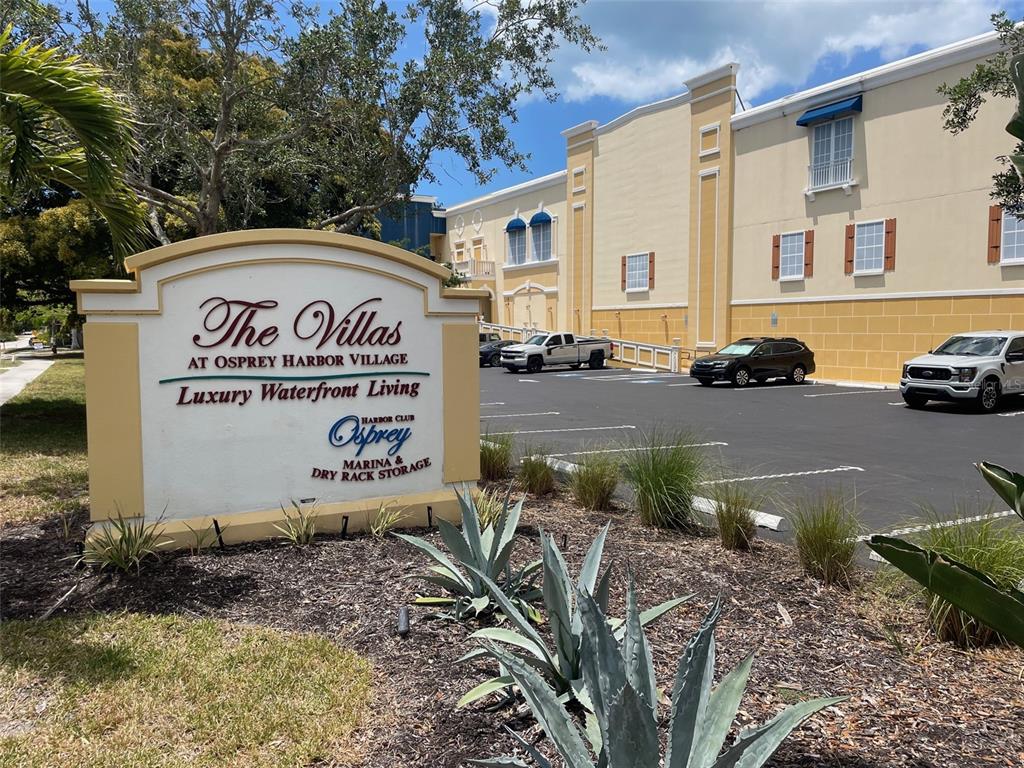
x=473, y=269
x=834, y=174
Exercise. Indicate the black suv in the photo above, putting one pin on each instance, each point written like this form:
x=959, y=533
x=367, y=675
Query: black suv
x=759, y=358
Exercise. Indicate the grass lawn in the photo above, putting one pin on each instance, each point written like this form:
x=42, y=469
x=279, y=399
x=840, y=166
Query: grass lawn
x=42, y=437
x=5, y=364
x=133, y=690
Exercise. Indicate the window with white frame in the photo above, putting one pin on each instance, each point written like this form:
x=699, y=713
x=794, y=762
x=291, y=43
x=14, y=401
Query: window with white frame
x=460, y=251
x=869, y=247
x=791, y=256
x=517, y=246
x=478, y=249
x=541, y=234
x=636, y=272
x=1011, y=247
x=831, y=153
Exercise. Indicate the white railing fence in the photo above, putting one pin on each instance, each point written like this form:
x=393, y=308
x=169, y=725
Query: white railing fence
x=832, y=174
x=473, y=268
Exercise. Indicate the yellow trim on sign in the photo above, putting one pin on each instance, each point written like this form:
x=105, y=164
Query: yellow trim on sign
x=460, y=370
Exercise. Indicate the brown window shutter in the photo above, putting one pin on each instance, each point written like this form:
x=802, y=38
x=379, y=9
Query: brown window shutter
x=995, y=233
x=776, y=255
x=890, y=245
x=650, y=270
x=623, y=273
x=809, y=253
x=851, y=235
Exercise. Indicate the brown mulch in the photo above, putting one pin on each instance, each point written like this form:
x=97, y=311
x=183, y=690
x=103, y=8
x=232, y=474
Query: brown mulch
x=913, y=703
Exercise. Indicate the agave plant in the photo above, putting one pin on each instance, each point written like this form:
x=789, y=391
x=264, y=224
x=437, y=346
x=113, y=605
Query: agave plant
x=623, y=730
x=562, y=667
x=478, y=555
x=971, y=591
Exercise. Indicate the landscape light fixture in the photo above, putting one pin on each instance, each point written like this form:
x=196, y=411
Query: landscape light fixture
x=344, y=526
x=220, y=536
x=403, y=621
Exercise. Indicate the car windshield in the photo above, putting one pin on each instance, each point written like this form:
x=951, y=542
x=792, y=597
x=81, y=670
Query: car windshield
x=538, y=339
x=738, y=348
x=980, y=346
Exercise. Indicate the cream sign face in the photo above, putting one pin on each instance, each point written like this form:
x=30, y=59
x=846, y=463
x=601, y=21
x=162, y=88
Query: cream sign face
x=274, y=372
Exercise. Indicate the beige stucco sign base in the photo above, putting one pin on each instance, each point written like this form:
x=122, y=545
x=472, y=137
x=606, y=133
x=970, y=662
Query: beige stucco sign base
x=240, y=373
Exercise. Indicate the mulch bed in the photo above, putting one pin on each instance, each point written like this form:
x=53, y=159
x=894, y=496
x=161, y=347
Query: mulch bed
x=925, y=704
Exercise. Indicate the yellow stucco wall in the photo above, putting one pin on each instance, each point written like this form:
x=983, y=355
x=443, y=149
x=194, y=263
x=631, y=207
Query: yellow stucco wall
x=870, y=340
x=650, y=326
x=934, y=184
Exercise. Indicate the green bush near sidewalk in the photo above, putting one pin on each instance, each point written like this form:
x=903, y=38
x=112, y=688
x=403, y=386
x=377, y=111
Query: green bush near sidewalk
x=594, y=482
x=665, y=471
x=826, y=529
x=495, y=457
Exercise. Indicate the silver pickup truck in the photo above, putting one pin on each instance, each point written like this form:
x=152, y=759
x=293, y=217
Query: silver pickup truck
x=547, y=349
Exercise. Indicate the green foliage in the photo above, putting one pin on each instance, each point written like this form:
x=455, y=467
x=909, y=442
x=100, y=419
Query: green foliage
x=299, y=529
x=665, y=472
x=734, y=507
x=495, y=457
x=388, y=517
x=202, y=538
x=826, y=529
x=622, y=730
x=535, y=474
x=473, y=555
x=562, y=667
x=594, y=482
x=490, y=505
x=994, y=600
x=123, y=544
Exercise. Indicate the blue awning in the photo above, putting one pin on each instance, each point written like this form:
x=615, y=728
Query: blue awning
x=540, y=218
x=515, y=224
x=832, y=111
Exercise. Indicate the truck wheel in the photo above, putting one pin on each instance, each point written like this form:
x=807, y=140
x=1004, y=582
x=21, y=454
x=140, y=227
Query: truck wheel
x=914, y=400
x=534, y=364
x=988, y=397
x=596, y=361
x=741, y=377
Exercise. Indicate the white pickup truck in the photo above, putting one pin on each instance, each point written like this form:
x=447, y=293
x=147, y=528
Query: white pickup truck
x=547, y=349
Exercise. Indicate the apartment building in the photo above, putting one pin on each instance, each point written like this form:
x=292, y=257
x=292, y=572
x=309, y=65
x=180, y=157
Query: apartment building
x=844, y=215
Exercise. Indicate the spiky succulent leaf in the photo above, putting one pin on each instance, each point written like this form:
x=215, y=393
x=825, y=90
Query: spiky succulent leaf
x=515, y=616
x=633, y=741
x=550, y=714
x=485, y=688
x=437, y=555
x=1007, y=484
x=691, y=691
x=502, y=548
x=592, y=562
x=600, y=660
x=753, y=747
x=601, y=594
x=511, y=637
x=646, y=617
x=721, y=711
x=636, y=653
x=557, y=592
x=496, y=762
x=453, y=539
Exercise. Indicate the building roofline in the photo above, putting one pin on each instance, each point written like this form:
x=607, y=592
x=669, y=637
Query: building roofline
x=887, y=74
x=643, y=109
x=503, y=194
x=726, y=70
x=576, y=130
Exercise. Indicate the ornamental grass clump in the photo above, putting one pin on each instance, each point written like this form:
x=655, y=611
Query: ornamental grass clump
x=665, y=473
x=489, y=506
x=621, y=727
x=560, y=667
x=123, y=544
x=594, y=482
x=990, y=547
x=298, y=529
x=495, y=457
x=535, y=474
x=735, y=504
x=475, y=553
x=826, y=529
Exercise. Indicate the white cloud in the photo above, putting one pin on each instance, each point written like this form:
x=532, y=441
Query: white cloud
x=652, y=47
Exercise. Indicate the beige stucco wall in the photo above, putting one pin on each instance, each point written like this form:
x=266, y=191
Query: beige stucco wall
x=934, y=184
x=487, y=222
x=641, y=199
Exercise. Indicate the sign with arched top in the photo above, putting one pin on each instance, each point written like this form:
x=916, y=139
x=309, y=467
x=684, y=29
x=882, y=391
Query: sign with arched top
x=240, y=373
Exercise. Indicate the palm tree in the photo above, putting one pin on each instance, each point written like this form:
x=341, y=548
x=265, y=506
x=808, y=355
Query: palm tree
x=60, y=125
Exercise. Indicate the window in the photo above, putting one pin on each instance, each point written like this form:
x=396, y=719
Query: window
x=516, y=231
x=460, y=252
x=636, y=272
x=1012, y=245
x=791, y=262
x=974, y=346
x=1016, y=346
x=554, y=341
x=540, y=231
x=478, y=249
x=831, y=153
x=570, y=339
x=869, y=248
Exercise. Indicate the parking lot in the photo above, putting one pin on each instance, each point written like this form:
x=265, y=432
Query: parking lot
x=800, y=437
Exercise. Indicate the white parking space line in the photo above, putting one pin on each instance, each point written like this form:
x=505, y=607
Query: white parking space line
x=943, y=524
x=781, y=388
x=483, y=405
x=855, y=392
x=843, y=468
x=636, y=448
x=567, y=375
x=515, y=415
x=899, y=403
x=573, y=429
x=1013, y=413
x=687, y=384
x=532, y=381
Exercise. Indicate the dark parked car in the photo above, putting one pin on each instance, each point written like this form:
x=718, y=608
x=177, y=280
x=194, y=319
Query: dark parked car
x=757, y=359
x=490, y=352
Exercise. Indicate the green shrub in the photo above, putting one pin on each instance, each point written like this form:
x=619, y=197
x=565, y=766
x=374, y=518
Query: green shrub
x=388, y=517
x=123, y=544
x=535, y=474
x=298, y=529
x=495, y=457
x=826, y=528
x=735, y=504
x=665, y=472
x=989, y=546
x=594, y=482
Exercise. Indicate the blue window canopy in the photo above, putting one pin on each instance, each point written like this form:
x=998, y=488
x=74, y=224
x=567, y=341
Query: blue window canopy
x=515, y=224
x=832, y=111
x=540, y=218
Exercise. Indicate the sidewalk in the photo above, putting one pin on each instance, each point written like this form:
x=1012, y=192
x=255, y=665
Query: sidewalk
x=13, y=380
